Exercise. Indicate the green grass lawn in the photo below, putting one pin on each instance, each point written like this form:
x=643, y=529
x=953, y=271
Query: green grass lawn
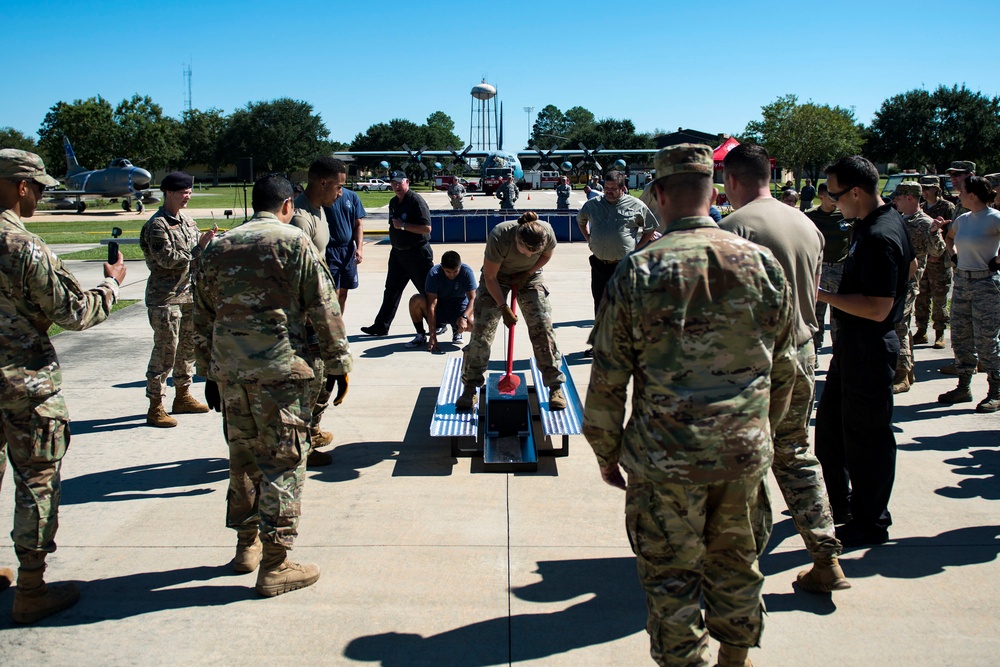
x=221, y=197
x=121, y=303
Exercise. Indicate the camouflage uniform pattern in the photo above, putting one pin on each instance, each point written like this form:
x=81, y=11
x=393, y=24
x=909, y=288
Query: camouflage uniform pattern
x=926, y=244
x=563, y=191
x=797, y=469
x=35, y=291
x=267, y=428
x=675, y=530
x=712, y=368
x=456, y=194
x=170, y=246
x=975, y=322
x=532, y=301
x=256, y=286
x=935, y=283
x=507, y=194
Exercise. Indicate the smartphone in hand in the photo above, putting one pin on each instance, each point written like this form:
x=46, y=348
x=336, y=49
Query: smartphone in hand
x=112, y=252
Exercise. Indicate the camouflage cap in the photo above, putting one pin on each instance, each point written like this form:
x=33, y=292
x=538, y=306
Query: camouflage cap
x=23, y=165
x=907, y=188
x=930, y=182
x=962, y=165
x=684, y=159
x=994, y=179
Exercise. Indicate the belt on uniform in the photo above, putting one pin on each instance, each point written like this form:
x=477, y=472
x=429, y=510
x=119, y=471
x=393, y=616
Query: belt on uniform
x=976, y=275
x=833, y=263
x=606, y=261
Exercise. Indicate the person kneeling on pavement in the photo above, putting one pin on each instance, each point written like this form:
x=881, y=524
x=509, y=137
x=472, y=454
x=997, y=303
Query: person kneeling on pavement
x=449, y=298
x=516, y=251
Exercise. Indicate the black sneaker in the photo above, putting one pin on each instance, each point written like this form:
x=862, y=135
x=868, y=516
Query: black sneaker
x=374, y=331
x=441, y=329
x=853, y=535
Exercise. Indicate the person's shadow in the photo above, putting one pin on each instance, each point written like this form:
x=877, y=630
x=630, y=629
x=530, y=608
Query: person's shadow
x=130, y=595
x=140, y=482
x=982, y=467
x=613, y=607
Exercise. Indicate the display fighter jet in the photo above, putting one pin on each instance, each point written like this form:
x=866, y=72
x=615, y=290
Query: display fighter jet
x=120, y=179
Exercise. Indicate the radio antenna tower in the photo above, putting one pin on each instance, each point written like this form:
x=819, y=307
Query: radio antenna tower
x=187, y=81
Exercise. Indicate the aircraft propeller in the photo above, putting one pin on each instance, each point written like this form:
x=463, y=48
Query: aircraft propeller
x=460, y=158
x=415, y=156
x=590, y=156
x=545, y=157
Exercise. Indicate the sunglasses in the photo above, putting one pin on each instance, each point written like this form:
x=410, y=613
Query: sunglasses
x=835, y=196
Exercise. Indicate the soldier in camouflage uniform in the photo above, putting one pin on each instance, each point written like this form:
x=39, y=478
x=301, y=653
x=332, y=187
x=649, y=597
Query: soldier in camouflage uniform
x=563, y=191
x=327, y=176
x=35, y=292
x=516, y=251
x=958, y=172
x=170, y=243
x=798, y=247
x=507, y=194
x=698, y=443
x=935, y=282
x=456, y=194
x=256, y=285
x=927, y=242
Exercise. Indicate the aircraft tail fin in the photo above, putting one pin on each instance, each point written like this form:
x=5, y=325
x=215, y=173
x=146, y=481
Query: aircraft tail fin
x=72, y=166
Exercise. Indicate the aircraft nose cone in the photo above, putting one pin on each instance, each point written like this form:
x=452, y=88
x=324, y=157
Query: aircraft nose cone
x=140, y=178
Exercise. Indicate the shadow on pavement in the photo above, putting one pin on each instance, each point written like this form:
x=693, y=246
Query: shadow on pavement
x=85, y=426
x=139, y=482
x=952, y=442
x=614, y=608
x=144, y=593
x=983, y=468
x=417, y=455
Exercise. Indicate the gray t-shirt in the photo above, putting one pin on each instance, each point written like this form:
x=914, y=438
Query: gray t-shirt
x=615, y=228
x=797, y=245
x=977, y=239
x=501, y=248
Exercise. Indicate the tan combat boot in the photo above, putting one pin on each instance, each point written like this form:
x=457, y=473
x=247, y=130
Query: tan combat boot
x=960, y=394
x=901, y=382
x=248, y=551
x=279, y=575
x=186, y=404
x=320, y=438
x=825, y=576
x=992, y=401
x=939, y=342
x=920, y=337
x=6, y=578
x=468, y=399
x=34, y=599
x=157, y=416
x=733, y=656
x=557, y=400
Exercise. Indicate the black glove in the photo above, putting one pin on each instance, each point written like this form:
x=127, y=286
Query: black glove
x=212, y=395
x=341, y=381
x=993, y=264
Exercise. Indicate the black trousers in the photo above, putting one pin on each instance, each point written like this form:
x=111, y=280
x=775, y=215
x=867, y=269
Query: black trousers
x=404, y=266
x=854, y=440
x=600, y=276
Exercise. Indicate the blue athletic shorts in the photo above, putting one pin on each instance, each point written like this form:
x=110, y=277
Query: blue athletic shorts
x=343, y=268
x=448, y=312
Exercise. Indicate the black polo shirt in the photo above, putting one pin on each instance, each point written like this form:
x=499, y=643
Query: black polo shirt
x=412, y=210
x=877, y=264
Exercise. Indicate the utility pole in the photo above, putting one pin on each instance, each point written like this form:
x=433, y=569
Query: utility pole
x=528, y=111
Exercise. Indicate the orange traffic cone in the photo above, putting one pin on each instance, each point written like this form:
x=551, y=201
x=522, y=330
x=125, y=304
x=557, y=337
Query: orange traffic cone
x=529, y=196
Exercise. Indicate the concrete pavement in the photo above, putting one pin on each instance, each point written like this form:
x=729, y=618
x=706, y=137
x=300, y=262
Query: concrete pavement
x=427, y=560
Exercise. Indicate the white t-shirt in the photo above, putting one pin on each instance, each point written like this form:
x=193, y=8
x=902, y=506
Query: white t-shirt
x=977, y=239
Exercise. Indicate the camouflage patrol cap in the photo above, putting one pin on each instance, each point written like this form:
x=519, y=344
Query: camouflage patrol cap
x=684, y=159
x=907, y=188
x=962, y=165
x=22, y=165
x=930, y=182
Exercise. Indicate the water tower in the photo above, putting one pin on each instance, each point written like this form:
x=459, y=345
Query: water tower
x=483, y=125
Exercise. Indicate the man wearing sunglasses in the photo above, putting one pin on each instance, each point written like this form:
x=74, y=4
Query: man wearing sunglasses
x=854, y=439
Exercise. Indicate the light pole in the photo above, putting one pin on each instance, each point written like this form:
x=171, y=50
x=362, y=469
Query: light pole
x=528, y=111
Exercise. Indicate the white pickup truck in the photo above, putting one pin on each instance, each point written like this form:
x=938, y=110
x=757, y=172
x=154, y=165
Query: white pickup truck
x=376, y=184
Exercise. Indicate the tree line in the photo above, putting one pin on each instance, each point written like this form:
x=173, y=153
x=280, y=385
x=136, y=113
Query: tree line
x=919, y=129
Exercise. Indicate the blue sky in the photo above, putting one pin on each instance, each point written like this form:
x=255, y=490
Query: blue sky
x=663, y=64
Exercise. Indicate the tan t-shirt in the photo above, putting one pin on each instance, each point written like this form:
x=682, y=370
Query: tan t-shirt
x=501, y=248
x=797, y=245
